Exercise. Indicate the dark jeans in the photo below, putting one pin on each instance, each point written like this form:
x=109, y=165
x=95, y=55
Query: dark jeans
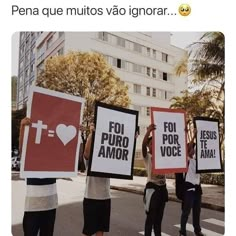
x=156, y=211
x=192, y=200
x=39, y=221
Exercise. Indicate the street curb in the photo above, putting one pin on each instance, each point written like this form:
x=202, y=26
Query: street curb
x=171, y=197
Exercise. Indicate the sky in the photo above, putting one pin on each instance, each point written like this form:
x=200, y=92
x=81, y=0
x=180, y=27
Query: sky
x=14, y=53
x=183, y=39
x=179, y=39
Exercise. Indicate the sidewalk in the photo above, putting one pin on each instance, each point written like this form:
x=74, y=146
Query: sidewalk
x=212, y=198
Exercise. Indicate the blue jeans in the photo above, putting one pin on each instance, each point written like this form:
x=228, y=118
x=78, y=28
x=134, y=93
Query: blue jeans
x=192, y=200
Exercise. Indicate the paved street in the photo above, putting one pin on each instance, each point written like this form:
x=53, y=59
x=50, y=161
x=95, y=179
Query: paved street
x=127, y=216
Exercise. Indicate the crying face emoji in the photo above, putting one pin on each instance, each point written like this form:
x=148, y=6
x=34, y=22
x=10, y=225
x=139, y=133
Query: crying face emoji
x=184, y=9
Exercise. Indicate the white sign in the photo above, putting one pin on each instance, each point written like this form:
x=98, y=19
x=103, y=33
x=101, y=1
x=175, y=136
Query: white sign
x=169, y=141
x=113, y=142
x=208, y=145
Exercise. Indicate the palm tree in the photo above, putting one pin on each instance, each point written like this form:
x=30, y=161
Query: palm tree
x=206, y=63
x=182, y=66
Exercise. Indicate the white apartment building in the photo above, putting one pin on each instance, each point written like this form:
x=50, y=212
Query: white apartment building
x=145, y=61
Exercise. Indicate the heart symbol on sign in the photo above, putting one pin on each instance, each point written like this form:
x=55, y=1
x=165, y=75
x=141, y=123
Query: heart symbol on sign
x=65, y=133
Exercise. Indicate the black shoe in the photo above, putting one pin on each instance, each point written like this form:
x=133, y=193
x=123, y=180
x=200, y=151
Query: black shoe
x=200, y=234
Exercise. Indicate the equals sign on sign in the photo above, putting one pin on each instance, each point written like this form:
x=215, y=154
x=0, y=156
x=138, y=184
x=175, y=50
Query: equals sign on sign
x=51, y=133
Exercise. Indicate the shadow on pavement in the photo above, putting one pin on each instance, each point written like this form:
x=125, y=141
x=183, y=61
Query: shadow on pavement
x=69, y=219
x=15, y=176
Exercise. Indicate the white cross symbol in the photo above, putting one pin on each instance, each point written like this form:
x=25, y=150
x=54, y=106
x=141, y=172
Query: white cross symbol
x=39, y=126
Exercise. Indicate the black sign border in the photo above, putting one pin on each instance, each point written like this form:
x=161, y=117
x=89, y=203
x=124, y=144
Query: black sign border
x=110, y=175
x=221, y=165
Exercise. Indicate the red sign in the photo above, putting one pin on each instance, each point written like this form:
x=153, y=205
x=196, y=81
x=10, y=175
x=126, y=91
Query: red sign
x=51, y=143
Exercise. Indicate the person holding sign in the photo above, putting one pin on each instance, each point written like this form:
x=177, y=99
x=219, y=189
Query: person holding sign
x=97, y=199
x=192, y=193
x=41, y=200
x=155, y=193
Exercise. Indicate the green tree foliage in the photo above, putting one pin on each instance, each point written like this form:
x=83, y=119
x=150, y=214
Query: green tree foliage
x=87, y=75
x=182, y=66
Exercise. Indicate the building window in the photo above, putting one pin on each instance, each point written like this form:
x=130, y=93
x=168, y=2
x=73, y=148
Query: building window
x=118, y=64
x=26, y=73
x=154, y=92
x=21, y=64
x=148, y=91
x=137, y=47
x=154, y=53
x=32, y=51
x=123, y=64
x=163, y=94
x=129, y=45
x=114, y=61
x=164, y=57
x=137, y=88
x=120, y=42
x=154, y=73
x=148, y=111
x=31, y=68
x=21, y=95
x=22, y=36
x=103, y=36
x=27, y=57
x=148, y=52
x=22, y=50
x=49, y=42
x=148, y=71
x=165, y=76
x=60, y=51
x=40, y=51
x=32, y=36
x=137, y=68
x=21, y=81
x=166, y=95
x=26, y=90
x=27, y=43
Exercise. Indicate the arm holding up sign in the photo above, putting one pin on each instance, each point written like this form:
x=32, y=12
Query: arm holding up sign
x=147, y=140
x=87, y=148
x=191, y=144
x=23, y=123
